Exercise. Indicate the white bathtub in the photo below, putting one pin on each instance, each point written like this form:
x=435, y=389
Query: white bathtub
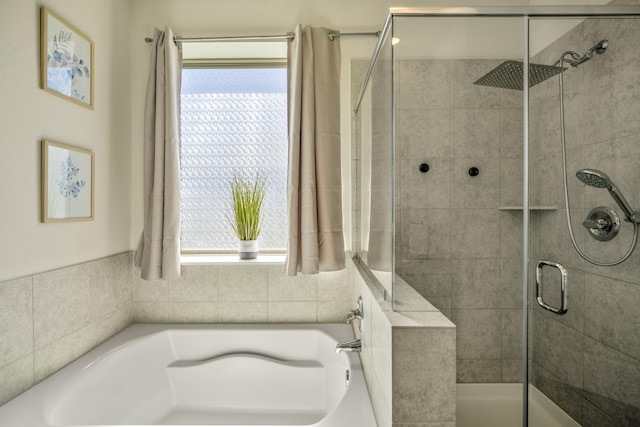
x=204, y=375
x=500, y=405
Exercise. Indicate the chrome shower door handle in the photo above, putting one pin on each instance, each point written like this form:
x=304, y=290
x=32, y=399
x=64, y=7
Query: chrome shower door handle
x=563, y=287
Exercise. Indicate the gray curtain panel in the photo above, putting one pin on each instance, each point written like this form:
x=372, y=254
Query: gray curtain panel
x=314, y=183
x=158, y=254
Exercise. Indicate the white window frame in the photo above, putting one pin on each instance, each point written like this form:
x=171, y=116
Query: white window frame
x=220, y=256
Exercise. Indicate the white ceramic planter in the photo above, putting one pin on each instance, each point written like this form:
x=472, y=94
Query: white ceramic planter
x=248, y=249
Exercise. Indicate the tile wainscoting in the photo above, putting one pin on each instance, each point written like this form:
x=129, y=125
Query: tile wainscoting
x=47, y=320
x=243, y=293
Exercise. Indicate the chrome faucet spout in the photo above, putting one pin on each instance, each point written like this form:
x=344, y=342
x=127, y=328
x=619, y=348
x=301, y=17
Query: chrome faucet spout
x=351, y=346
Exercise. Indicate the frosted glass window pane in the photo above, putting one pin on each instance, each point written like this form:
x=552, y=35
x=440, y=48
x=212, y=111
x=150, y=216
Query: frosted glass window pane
x=233, y=120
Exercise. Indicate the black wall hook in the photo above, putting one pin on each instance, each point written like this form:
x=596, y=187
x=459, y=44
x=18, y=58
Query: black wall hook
x=474, y=171
x=424, y=167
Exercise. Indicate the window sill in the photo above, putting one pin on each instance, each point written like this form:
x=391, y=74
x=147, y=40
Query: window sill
x=219, y=259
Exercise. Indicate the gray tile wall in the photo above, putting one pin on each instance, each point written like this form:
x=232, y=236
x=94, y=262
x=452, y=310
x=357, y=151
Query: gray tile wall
x=247, y=293
x=588, y=361
x=453, y=244
x=47, y=320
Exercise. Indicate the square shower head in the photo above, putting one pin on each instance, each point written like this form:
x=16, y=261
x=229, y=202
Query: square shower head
x=508, y=75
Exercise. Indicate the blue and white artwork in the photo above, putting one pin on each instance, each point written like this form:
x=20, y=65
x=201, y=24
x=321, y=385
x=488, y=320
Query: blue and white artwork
x=59, y=79
x=68, y=182
x=68, y=60
x=69, y=185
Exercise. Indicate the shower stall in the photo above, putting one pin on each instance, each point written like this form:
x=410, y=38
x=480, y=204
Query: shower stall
x=505, y=199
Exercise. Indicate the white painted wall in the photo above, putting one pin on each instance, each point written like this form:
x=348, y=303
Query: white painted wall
x=29, y=114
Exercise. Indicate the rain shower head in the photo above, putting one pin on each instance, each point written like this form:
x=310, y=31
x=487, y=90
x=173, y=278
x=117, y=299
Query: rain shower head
x=508, y=75
x=599, y=179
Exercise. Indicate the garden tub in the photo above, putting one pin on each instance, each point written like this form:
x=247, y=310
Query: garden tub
x=287, y=374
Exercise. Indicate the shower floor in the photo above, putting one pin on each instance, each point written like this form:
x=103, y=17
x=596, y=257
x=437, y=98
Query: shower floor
x=499, y=405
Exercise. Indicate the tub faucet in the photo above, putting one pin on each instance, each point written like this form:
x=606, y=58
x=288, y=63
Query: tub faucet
x=352, y=346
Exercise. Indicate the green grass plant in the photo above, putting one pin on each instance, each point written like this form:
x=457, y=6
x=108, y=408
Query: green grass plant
x=246, y=199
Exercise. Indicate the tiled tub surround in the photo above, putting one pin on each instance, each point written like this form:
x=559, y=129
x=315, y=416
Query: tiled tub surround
x=409, y=362
x=588, y=361
x=243, y=293
x=47, y=320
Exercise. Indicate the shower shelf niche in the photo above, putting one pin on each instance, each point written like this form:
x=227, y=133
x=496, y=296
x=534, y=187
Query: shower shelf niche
x=531, y=208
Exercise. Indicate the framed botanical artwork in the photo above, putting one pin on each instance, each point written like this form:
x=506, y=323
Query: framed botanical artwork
x=66, y=63
x=67, y=183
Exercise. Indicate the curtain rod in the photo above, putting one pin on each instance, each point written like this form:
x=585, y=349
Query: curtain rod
x=250, y=38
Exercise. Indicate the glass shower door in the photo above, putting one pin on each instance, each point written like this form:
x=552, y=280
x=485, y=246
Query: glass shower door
x=584, y=136
x=459, y=186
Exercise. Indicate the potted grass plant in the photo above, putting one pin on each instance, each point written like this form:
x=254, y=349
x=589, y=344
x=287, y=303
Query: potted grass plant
x=246, y=203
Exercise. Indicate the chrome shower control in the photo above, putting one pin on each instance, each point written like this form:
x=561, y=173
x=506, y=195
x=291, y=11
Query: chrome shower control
x=357, y=314
x=603, y=223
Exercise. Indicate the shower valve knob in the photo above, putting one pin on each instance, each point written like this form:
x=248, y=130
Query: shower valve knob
x=602, y=223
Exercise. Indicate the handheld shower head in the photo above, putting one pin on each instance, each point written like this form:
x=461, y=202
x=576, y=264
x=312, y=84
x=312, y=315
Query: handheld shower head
x=593, y=178
x=599, y=179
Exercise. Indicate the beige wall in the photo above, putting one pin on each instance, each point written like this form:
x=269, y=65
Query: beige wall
x=29, y=114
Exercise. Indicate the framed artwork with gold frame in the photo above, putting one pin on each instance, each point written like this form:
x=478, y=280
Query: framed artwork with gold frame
x=67, y=183
x=66, y=62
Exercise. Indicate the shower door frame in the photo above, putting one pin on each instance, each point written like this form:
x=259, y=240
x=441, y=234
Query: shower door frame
x=527, y=13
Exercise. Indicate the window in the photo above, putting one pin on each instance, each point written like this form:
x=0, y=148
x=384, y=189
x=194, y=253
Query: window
x=233, y=121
